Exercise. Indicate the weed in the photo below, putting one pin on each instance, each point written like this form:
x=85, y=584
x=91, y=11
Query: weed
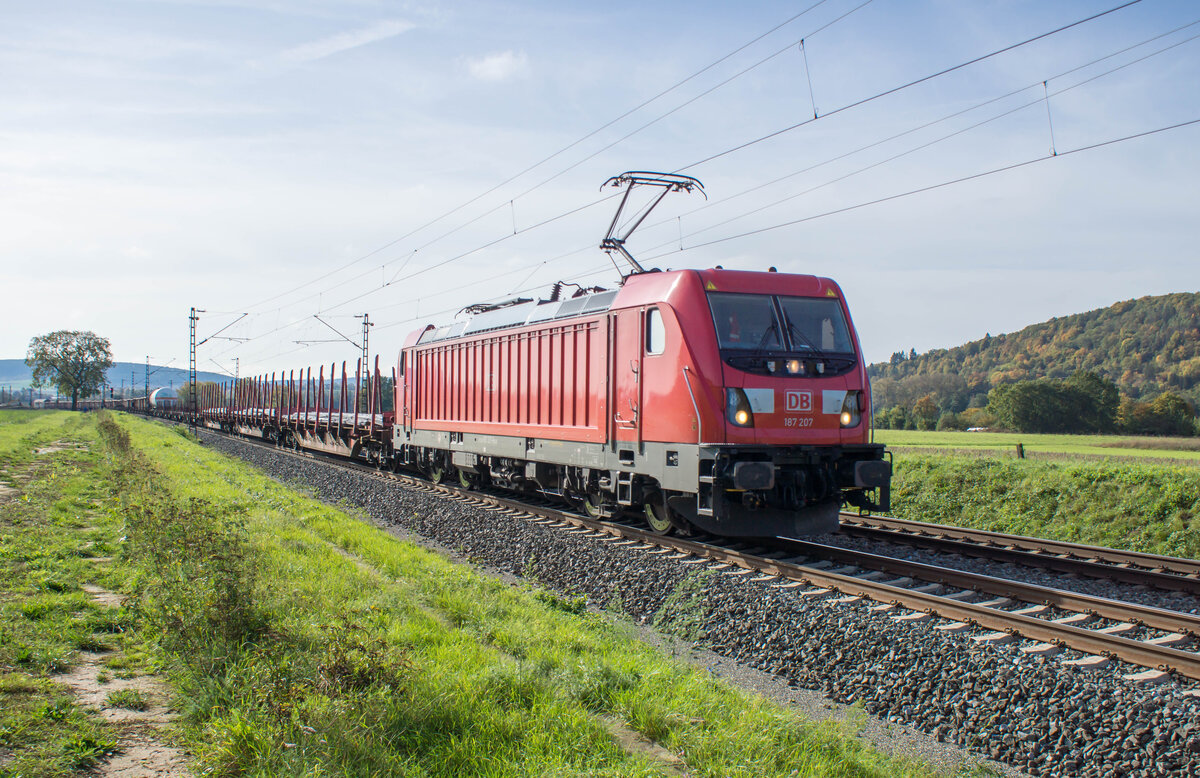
x=132, y=699
x=684, y=612
x=199, y=581
x=598, y=686
x=354, y=660
x=87, y=750
x=113, y=435
x=58, y=710
x=185, y=433
x=570, y=604
x=93, y=644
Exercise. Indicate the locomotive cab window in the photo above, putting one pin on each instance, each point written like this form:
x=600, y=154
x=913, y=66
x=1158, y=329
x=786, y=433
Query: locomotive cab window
x=816, y=324
x=656, y=332
x=745, y=321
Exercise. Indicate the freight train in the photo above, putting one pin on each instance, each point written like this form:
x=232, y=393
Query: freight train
x=727, y=401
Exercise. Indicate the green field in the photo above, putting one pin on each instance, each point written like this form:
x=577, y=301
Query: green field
x=1180, y=450
x=301, y=640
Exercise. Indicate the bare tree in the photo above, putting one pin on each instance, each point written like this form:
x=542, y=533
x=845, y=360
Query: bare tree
x=71, y=361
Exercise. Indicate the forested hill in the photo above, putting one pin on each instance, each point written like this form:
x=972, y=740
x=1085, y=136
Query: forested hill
x=1146, y=346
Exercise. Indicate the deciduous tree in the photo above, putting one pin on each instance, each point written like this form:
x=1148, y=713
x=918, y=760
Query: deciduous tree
x=71, y=361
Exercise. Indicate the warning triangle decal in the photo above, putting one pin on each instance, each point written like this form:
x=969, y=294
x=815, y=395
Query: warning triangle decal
x=710, y=287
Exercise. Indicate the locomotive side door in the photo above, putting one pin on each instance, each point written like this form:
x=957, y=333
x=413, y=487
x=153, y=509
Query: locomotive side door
x=625, y=330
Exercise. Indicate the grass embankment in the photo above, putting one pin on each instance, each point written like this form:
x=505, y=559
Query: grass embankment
x=303, y=641
x=1003, y=444
x=1142, y=507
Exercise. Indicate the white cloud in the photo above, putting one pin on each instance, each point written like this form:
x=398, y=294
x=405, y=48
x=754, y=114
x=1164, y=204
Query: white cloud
x=344, y=41
x=499, y=67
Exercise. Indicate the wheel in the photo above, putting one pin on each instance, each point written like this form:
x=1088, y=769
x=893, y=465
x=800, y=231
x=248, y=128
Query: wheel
x=467, y=479
x=658, y=515
x=593, y=505
x=437, y=473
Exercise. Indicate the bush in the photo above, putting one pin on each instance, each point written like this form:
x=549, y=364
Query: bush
x=199, y=581
x=950, y=421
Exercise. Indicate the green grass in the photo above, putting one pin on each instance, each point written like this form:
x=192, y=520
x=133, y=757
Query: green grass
x=1121, y=504
x=45, y=617
x=1138, y=493
x=1181, y=450
x=130, y=699
x=341, y=650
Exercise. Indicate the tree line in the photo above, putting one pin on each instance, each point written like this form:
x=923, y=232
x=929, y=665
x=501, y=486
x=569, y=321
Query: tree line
x=1084, y=403
x=1133, y=368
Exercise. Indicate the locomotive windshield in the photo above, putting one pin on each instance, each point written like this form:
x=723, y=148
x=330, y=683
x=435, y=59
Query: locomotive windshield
x=769, y=323
x=816, y=324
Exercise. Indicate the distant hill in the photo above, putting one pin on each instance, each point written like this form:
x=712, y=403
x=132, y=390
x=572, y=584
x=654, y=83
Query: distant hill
x=1146, y=346
x=15, y=373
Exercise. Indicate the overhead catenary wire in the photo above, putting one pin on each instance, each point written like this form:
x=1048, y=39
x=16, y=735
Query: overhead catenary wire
x=554, y=155
x=722, y=201
x=927, y=144
x=902, y=87
x=940, y=185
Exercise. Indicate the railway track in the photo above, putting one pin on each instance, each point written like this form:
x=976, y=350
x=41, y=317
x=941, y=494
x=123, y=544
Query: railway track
x=1130, y=567
x=1100, y=629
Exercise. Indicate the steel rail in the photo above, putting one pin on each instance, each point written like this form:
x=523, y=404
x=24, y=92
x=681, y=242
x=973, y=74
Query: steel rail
x=1118, y=610
x=1059, y=564
x=1113, y=556
x=1135, y=652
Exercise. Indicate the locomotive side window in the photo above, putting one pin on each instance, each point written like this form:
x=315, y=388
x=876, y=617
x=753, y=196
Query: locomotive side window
x=817, y=323
x=656, y=332
x=745, y=321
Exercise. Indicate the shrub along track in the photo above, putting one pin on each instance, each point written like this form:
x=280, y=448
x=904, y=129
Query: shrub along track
x=1036, y=713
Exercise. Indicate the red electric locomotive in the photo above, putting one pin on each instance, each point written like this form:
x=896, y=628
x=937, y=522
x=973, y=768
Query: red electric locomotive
x=736, y=402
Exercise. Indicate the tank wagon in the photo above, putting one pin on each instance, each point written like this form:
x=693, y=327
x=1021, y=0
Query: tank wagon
x=732, y=401
x=163, y=398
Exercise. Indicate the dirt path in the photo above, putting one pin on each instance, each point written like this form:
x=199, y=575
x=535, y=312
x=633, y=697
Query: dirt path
x=142, y=752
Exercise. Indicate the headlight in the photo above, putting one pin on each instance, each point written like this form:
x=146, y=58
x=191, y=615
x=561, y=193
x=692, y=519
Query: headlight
x=794, y=366
x=851, y=409
x=737, y=408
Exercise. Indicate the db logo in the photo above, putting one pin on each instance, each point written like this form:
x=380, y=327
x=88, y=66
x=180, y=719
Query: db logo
x=799, y=402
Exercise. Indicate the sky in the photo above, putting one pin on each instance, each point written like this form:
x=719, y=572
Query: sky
x=304, y=162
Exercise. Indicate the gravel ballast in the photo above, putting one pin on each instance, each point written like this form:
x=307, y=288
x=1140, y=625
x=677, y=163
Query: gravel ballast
x=1033, y=713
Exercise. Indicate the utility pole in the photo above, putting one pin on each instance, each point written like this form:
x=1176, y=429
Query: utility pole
x=366, y=356
x=192, y=319
x=237, y=369
x=147, y=380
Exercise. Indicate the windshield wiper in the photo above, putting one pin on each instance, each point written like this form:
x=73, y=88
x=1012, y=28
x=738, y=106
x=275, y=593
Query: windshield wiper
x=774, y=328
x=795, y=332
